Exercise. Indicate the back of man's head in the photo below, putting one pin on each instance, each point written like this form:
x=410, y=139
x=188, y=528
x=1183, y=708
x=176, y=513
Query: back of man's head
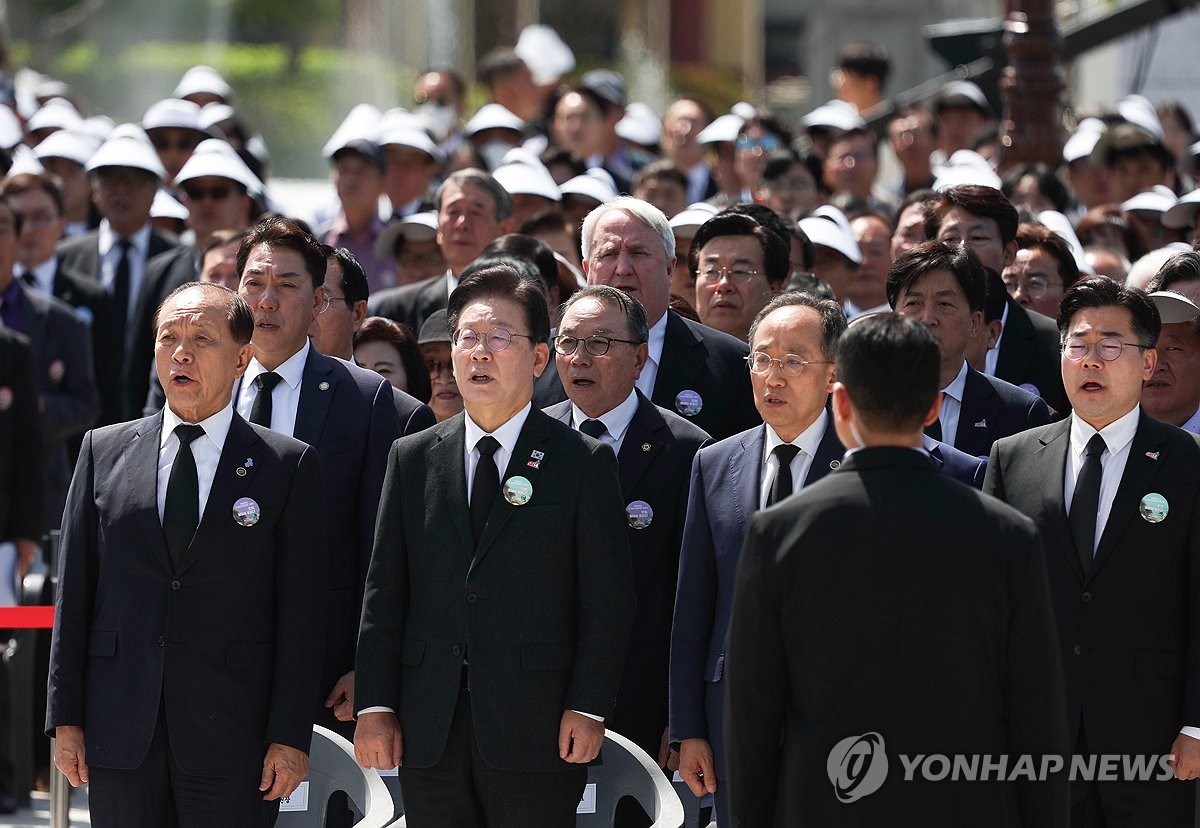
x=889, y=365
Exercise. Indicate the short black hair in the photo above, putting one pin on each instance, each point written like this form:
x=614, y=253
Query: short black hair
x=1182, y=267
x=636, y=325
x=890, y=367
x=1040, y=237
x=1049, y=184
x=935, y=255
x=278, y=231
x=864, y=58
x=1102, y=292
x=498, y=64
x=773, y=246
x=833, y=318
x=529, y=249
x=978, y=200
x=237, y=312
x=995, y=295
x=660, y=169
x=506, y=282
x=354, y=280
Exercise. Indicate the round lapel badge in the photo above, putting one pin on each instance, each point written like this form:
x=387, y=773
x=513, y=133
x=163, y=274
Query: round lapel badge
x=6, y=398
x=1154, y=508
x=688, y=403
x=639, y=514
x=246, y=511
x=517, y=490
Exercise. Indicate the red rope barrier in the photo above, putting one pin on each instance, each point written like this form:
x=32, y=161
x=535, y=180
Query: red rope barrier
x=26, y=618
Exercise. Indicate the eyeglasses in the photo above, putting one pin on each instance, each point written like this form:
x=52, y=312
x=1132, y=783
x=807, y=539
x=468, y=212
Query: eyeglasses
x=767, y=143
x=1108, y=349
x=738, y=275
x=791, y=365
x=1035, y=287
x=201, y=193
x=497, y=339
x=595, y=345
x=329, y=300
x=435, y=366
x=163, y=143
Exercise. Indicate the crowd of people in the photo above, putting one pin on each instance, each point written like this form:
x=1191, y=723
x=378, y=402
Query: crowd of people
x=477, y=446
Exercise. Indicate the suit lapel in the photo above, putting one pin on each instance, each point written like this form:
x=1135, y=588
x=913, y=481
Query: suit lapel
x=140, y=480
x=450, y=476
x=1052, y=459
x=978, y=407
x=829, y=454
x=314, y=401
x=642, y=444
x=683, y=358
x=227, y=487
x=1145, y=459
x=745, y=470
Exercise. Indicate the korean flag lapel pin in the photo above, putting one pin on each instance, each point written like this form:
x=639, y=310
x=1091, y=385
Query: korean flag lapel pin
x=535, y=459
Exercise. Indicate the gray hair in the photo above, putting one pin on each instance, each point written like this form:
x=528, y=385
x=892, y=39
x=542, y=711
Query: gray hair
x=482, y=180
x=643, y=211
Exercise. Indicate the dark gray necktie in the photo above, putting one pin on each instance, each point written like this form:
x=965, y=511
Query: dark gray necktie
x=120, y=291
x=593, y=428
x=782, y=486
x=1085, y=503
x=934, y=429
x=485, y=484
x=181, y=512
x=260, y=411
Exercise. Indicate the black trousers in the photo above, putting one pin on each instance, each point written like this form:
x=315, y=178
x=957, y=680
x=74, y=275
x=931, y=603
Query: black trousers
x=462, y=791
x=1168, y=803
x=160, y=794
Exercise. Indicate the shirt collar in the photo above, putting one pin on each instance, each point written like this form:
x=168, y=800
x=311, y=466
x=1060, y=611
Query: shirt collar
x=44, y=274
x=140, y=240
x=616, y=420
x=808, y=440
x=958, y=384
x=1117, y=435
x=216, y=427
x=658, y=335
x=1193, y=423
x=291, y=369
x=506, y=435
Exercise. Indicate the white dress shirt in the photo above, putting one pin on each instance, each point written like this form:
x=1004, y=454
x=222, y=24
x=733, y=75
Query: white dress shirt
x=1118, y=436
x=616, y=420
x=658, y=335
x=1193, y=423
x=285, y=398
x=952, y=396
x=43, y=275
x=506, y=435
x=206, y=450
x=808, y=441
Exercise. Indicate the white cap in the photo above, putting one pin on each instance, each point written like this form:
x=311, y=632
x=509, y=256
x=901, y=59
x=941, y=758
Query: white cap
x=834, y=114
x=1174, y=307
x=1061, y=226
x=828, y=211
x=1183, y=214
x=1140, y=112
x=360, y=124
x=493, y=116
x=960, y=92
x=10, y=128
x=71, y=144
x=24, y=161
x=417, y=227
x=724, y=129
x=127, y=146
x=641, y=125
x=172, y=112
x=545, y=53
x=686, y=222
x=521, y=173
x=1084, y=139
x=200, y=79
x=56, y=113
x=214, y=157
x=743, y=110
x=825, y=231
x=166, y=205
x=596, y=184
x=99, y=127
x=212, y=114
x=1158, y=199
x=400, y=128
x=965, y=167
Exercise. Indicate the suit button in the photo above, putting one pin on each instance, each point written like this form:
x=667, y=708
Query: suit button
x=1086, y=597
x=457, y=650
x=175, y=585
x=1077, y=650
x=472, y=597
x=162, y=641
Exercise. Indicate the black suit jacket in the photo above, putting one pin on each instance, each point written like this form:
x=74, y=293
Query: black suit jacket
x=1129, y=628
x=992, y=409
x=410, y=304
x=1029, y=358
x=541, y=608
x=225, y=643
x=695, y=358
x=851, y=617
x=655, y=458
x=21, y=473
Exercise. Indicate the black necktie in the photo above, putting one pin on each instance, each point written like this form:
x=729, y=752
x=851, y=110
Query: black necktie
x=934, y=429
x=485, y=485
x=781, y=487
x=120, y=291
x=28, y=278
x=181, y=513
x=260, y=411
x=593, y=428
x=1085, y=503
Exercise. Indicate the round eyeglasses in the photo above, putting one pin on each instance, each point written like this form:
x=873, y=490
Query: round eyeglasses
x=1108, y=349
x=497, y=339
x=594, y=345
x=791, y=365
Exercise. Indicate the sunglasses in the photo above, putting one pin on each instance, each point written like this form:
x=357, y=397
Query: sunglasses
x=218, y=193
x=163, y=143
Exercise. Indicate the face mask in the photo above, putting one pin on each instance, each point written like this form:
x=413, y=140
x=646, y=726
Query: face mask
x=493, y=153
x=443, y=115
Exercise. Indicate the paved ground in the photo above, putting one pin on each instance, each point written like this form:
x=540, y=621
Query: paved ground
x=38, y=815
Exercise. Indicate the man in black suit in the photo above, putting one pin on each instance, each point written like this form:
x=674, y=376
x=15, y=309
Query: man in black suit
x=691, y=369
x=986, y=222
x=183, y=661
x=942, y=286
x=1115, y=493
x=473, y=210
x=125, y=174
x=345, y=412
x=500, y=594
x=852, y=619
x=601, y=348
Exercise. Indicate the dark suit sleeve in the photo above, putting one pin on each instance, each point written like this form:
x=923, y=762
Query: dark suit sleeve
x=1191, y=692
x=300, y=565
x=385, y=430
x=604, y=573
x=980, y=475
x=993, y=479
x=1039, y=414
x=74, y=403
x=73, y=601
x=26, y=472
x=695, y=609
x=420, y=419
x=756, y=685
